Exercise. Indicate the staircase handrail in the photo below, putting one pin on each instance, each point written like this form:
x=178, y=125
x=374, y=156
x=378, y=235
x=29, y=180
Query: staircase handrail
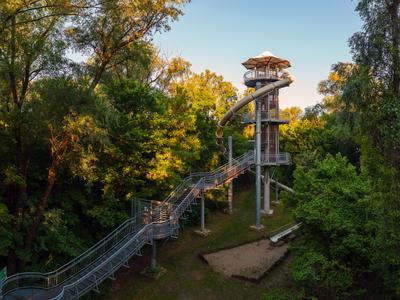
x=110, y=258
x=51, y=279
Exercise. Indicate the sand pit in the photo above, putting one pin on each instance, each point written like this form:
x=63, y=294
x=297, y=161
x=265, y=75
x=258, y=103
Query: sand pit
x=249, y=261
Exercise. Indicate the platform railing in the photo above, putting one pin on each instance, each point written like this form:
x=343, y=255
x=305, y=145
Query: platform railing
x=281, y=158
x=262, y=74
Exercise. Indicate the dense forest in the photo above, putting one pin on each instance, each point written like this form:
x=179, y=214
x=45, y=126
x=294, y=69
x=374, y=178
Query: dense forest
x=81, y=139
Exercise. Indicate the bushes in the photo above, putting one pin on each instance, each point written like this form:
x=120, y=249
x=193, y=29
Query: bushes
x=333, y=256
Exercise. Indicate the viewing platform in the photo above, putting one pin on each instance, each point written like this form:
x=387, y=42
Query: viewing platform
x=268, y=75
x=263, y=68
x=275, y=159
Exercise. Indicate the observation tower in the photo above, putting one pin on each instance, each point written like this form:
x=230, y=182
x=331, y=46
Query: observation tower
x=263, y=70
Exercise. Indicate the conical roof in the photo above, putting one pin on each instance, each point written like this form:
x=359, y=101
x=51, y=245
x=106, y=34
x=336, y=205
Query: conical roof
x=264, y=59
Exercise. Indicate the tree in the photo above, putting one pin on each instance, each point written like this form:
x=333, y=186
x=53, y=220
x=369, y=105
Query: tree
x=291, y=113
x=305, y=135
x=209, y=96
x=32, y=51
x=115, y=27
x=25, y=54
x=154, y=140
x=332, y=258
x=374, y=88
x=341, y=116
x=374, y=91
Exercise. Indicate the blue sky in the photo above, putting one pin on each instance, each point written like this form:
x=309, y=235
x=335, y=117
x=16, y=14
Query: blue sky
x=220, y=34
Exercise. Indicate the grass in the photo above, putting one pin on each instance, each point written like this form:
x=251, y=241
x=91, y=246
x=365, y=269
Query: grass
x=190, y=278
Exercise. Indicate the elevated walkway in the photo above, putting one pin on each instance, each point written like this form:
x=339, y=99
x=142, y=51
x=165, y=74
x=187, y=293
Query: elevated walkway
x=87, y=271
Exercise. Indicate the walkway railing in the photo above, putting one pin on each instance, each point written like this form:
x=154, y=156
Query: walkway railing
x=279, y=159
x=75, y=266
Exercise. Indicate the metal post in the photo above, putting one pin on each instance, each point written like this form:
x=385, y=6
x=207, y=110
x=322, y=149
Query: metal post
x=258, y=159
x=277, y=191
x=267, y=196
x=203, y=231
x=153, y=262
x=202, y=213
x=230, y=188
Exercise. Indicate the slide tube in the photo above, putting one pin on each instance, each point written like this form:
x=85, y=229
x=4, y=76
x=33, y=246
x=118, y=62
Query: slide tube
x=288, y=79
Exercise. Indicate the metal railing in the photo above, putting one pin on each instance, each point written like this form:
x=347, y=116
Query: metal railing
x=260, y=74
x=284, y=231
x=88, y=270
x=77, y=265
x=281, y=158
x=108, y=267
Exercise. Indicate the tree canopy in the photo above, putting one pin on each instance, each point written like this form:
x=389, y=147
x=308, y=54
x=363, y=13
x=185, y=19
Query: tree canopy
x=80, y=140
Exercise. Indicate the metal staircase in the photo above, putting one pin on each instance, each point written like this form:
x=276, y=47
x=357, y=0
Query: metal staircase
x=101, y=261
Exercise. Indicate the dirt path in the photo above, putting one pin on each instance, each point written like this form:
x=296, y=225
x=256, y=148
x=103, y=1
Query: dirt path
x=250, y=260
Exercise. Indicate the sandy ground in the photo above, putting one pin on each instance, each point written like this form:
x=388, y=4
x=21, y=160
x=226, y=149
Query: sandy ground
x=250, y=260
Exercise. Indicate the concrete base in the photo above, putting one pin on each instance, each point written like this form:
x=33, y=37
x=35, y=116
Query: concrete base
x=266, y=214
x=257, y=228
x=202, y=233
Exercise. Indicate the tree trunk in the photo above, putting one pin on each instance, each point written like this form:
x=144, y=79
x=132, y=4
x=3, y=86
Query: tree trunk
x=12, y=262
x=41, y=205
x=16, y=193
x=99, y=72
x=20, y=191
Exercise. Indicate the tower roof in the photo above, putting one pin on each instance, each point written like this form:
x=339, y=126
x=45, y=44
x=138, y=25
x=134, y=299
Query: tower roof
x=264, y=59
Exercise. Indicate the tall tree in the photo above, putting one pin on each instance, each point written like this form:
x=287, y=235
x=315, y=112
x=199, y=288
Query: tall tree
x=332, y=258
x=109, y=33
x=374, y=90
x=209, y=96
x=32, y=49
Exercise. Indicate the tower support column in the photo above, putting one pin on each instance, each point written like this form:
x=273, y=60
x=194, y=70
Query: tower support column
x=257, y=225
x=267, y=195
x=203, y=231
x=230, y=187
x=153, y=262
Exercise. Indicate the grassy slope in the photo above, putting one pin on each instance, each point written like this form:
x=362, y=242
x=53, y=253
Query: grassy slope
x=190, y=278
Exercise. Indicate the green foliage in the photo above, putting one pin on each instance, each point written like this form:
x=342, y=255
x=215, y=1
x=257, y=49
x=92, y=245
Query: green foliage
x=291, y=113
x=57, y=240
x=71, y=147
x=11, y=177
x=366, y=99
x=5, y=229
x=208, y=96
x=306, y=136
x=333, y=256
